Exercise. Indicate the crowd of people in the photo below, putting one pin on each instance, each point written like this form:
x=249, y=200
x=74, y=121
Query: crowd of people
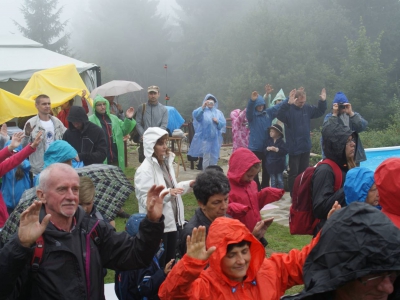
x=63, y=245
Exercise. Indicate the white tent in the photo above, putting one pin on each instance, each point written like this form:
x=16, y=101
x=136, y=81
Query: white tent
x=20, y=57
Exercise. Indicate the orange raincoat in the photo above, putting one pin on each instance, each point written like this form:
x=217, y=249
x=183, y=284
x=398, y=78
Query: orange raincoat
x=267, y=278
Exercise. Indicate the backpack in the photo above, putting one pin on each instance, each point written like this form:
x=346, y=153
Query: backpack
x=301, y=217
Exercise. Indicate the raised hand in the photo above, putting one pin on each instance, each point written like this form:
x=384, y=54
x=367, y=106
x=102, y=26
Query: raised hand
x=196, y=244
x=83, y=93
x=336, y=206
x=16, y=140
x=292, y=96
x=37, y=140
x=129, y=112
x=254, y=96
x=28, y=129
x=323, y=95
x=154, y=202
x=261, y=227
x=29, y=227
x=268, y=89
x=3, y=130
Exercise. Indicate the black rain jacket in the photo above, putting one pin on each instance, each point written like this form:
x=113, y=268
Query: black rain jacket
x=356, y=241
x=334, y=138
x=66, y=259
x=90, y=143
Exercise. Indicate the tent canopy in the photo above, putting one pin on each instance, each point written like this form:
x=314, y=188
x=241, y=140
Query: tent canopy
x=61, y=84
x=20, y=57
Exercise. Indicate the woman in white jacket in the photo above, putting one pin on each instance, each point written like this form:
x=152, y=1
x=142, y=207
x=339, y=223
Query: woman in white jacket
x=157, y=169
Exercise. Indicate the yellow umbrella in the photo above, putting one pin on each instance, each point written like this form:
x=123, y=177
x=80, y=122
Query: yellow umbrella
x=61, y=84
x=15, y=106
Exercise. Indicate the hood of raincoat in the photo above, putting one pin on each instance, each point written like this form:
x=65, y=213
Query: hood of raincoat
x=260, y=101
x=334, y=139
x=225, y=231
x=357, y=185
x=279, y=96
x=58, y=152
x=99, y=98
x=388, y=184
x=211, y=96
x=77, y=114
x=356, y=241
x=240, y=162
x=150, y=137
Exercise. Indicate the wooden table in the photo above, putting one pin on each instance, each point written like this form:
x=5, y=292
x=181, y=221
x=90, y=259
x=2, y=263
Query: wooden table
x=178, y=152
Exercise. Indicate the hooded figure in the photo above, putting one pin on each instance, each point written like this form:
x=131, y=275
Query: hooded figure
x=150, y=173
x=249, y=201
x=357, y=241
x=336, y=138
x=114, y=129
x=209, y=124
x=357, y=185
x=266, y=278
x=259, y=121
x=388, y=184
x=87, y=138
x=59, y=152
x=356, y=123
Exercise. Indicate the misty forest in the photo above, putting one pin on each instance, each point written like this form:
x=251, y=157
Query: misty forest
x=230, y=48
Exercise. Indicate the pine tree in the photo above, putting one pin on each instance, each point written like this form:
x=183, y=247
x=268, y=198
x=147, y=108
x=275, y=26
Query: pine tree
x=44, y=25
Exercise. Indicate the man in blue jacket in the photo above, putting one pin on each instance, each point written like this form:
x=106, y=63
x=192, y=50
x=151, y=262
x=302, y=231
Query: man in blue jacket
x=260, y=118
x=296, y=114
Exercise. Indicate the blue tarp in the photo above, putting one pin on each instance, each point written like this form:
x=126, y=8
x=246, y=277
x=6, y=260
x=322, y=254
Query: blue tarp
x=175, y=119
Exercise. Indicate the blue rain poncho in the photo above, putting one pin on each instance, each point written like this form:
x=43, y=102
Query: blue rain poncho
x=208, y=134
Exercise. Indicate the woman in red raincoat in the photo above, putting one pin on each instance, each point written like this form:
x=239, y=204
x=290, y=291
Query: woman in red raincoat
x=245, y=201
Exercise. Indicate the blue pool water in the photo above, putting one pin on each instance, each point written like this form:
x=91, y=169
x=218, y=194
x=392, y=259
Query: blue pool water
x=375, y=156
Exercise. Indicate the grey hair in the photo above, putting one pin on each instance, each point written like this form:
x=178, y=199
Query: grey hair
x=45, y=175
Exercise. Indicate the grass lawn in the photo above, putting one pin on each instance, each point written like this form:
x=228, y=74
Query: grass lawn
x=278, y=236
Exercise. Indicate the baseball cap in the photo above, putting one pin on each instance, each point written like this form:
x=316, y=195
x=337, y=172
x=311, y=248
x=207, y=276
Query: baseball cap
x=153, y=88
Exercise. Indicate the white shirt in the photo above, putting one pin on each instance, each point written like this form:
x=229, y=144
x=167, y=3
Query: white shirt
x=48, y=126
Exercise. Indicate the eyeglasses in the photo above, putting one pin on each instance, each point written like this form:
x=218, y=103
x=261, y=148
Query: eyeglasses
x=351, y=141
x=373, y=281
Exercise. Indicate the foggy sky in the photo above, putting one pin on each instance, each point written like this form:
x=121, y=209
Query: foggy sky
x=10, y=10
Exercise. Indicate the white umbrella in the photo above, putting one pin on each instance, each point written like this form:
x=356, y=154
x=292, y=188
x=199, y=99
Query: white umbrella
x=115, y=88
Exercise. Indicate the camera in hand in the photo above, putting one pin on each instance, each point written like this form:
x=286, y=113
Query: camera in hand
x=342, y=106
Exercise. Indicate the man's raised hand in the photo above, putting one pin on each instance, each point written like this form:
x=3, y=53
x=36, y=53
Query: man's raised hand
x=292, y=96
x=28, y=129
x=323, y=95
x=130, y=112
x=29, y=226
